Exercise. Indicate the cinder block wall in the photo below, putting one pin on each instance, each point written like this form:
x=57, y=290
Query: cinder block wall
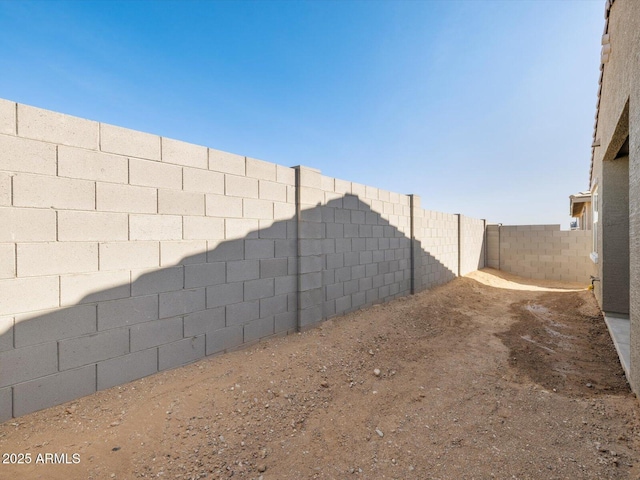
x=436, y=237
x=124, y=253
x=541, y=252
x=472, y=244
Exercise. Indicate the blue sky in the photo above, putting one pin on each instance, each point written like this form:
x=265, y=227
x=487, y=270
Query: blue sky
x=480, y=107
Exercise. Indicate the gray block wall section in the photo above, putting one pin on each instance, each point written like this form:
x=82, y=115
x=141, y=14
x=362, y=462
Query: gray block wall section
x=123, y=253
x=540, y=252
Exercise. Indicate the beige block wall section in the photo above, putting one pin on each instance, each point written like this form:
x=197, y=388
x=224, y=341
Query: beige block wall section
x=540, y=252
x=123, y=253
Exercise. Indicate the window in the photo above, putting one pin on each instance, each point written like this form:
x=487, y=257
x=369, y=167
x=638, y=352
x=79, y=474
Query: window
x=594, y=218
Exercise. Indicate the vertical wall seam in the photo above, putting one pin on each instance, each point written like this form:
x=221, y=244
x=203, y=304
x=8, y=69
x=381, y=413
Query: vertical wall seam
x=16, y=104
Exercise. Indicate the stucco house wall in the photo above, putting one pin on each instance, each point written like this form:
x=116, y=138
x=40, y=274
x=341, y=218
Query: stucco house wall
x=615, y=175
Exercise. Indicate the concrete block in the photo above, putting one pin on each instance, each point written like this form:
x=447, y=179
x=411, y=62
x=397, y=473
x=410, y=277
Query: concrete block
x=53, y=192
x=129, y=255
x=272, y=229
x=155, y=227
x=179, y=353
x=6, y=404
x=310, y=316
x=159, y=332
x=5, y=189
x=46, y=325
x=285, y=175
x=261, y=209
x=127, y=311
x=204, y=274
x=26, y=363
x=256, y=289
x=94, y=287
x=77, y=226
x=224, y=339
x=19, y=295
x=288, y=284
x=273, y=306
x=261, y=170
x=309, y=281
x=286, y=322
x=30, y=156
x=351, y=286
x=224, y=294
x=311, y=197
x=6, y=333
x=226, y=162
x=56, y=127
x=222, y=206
x=311, y=230
x=240, y=228
x=53, y=390
x=242, y=270
x=150, y=281
x=91, y=165
x=245, y=187
x=178, y=202
x=311, y=264
x=181, y=302
x=155, y=174
x=183, y=252
x=310, y=247
x=258, y=329
x=76, y=352
x=259, y=249
x=351, y=258
x=284, y=211
x=272, y=191
x=309, y=177
x=205, y=321
x=273, y=267
x=287, y=248
x=357, y=216
x=8, y=119
x=242, y=313
x=183, y=153
x=203, y=228
x=7, y=260
x=204, y=181
x=127, y=368
x=225, y=251
x=128, y=142
x=112, y=197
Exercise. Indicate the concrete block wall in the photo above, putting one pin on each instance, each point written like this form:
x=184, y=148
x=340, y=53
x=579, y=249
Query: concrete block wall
x=366, y=246
x=472, y=244
x=125, y=253
x=541, y=252
x=436, y=237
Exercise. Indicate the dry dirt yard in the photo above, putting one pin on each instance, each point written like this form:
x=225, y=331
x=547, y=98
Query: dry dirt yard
x=489, y=376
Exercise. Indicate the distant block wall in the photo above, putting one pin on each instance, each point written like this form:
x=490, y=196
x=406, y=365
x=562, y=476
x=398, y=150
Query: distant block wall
x=123, y=253
x=540, y=251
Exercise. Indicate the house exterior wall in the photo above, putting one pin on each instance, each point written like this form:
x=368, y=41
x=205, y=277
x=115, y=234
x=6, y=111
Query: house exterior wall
x=123, y=253
x=618, y=116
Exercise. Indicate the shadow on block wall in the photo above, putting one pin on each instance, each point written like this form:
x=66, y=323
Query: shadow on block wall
x=326, y=261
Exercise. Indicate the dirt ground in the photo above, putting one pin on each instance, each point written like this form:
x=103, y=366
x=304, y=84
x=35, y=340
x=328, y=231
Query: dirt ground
x=489, y=376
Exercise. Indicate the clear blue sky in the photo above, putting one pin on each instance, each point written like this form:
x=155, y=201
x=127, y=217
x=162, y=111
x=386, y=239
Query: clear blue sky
x=480, y=107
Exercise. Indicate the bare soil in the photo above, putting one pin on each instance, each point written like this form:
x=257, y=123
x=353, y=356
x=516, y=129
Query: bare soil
x=489, y=376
